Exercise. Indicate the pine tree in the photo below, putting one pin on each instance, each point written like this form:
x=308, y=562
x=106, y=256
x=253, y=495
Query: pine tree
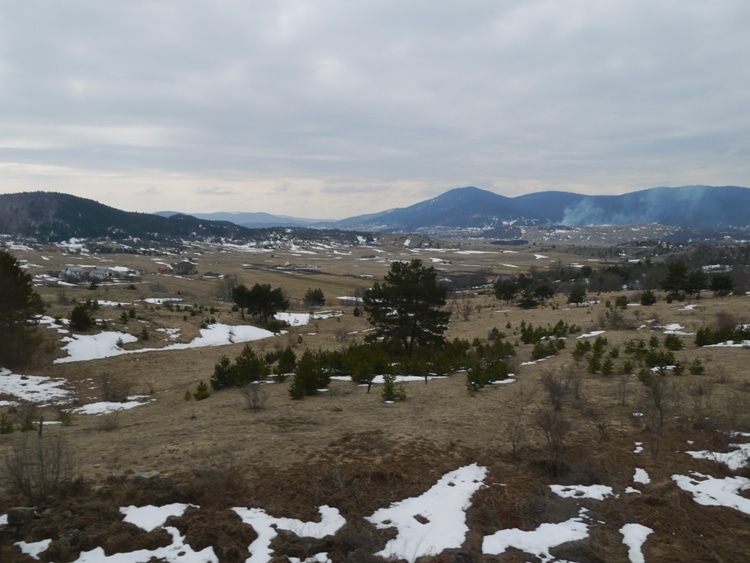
x=309, y=376
x=405, y=308
x=676, y=279
x=81, y=318
x=20, y=304
x=506, y=290
x=314, y=297
x=577, y=294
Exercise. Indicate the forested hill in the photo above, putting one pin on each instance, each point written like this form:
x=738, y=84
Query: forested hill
x=474, y=208
x=53, y=217
x=49, y=216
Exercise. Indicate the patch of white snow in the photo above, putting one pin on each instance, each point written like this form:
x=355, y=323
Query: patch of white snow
x=641, y=476
x=710, y=491
x=596, y=492
x=433, y=521
x=149, y=517
x=537, y=542
x=634, y=536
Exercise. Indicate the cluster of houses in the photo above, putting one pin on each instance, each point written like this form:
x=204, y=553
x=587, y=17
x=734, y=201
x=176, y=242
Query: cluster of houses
x=98, y=274
x=183, y=268
x=102, y=274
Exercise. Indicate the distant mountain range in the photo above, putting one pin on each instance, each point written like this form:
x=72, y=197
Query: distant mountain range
x=49, y=216
x=474, y=208
x=55, y=216
x=258, y=220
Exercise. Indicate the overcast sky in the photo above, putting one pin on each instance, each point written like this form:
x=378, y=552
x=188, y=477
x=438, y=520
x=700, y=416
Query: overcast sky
x=328, y=108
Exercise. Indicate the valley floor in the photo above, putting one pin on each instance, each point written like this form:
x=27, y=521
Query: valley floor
x=631, y=481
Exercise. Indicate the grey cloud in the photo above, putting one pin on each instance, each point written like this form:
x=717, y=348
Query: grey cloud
x=606, y=96
x=150, y=192
x=215, y=191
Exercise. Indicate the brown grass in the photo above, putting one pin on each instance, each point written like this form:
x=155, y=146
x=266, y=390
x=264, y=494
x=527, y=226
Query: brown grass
x=348, y=449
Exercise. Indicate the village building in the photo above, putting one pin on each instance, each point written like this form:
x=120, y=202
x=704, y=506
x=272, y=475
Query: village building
x=74, y=274
x=185, y=268
x=99, y=273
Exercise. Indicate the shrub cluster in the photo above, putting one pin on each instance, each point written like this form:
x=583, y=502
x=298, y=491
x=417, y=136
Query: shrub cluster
x=706, y=335
x=486, y=372
x=249, y=366
x=201, y=391
x=126, y=316
x=82, y=316
x=489, y=361
x=314, y=297
x=673, y=342
x=547, y=348
x=364, y=361
x=651, y=356
x=531, y=334
x=310, y=375
x=596, y=360
x=485, y=362
x=285, y=360
x=390, y=392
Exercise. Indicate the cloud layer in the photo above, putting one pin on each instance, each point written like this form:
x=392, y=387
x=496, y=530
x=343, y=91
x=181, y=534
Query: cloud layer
x=329, y=108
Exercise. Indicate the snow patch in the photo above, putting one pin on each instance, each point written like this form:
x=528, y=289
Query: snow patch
x=709, y=491
x=537, y=542
x=31, y=388
x=641, y=476
x=734, y=460
x=434, y=521
x=634, y=536
x=595, y=492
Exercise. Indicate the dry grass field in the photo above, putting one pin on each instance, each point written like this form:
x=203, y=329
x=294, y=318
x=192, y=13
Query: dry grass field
x=349, y=449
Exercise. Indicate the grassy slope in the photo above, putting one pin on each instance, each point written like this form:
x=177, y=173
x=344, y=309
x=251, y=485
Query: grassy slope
x=348, y=449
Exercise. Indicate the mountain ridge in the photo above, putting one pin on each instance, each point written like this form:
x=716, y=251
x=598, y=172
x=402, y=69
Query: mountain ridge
x=56, y=216
x=473, y=208
x=250, y=220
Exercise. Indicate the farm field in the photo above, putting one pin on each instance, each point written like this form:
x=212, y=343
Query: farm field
x=664, y=465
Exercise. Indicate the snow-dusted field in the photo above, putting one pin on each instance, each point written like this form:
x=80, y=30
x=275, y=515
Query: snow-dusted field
x=424, y=525
x=84, y=347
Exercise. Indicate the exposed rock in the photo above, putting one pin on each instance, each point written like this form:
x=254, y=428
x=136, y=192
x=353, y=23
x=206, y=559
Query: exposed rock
x=117, y=477
x=20, y=515
x=576, y=551
x=148, y=477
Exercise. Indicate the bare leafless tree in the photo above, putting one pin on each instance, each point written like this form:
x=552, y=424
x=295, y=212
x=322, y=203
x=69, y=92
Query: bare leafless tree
x=573, y=381
x=466, y=309
x=621, y=389
x=556, y=386
x=737, y=406
x=601, y=417
x=225, y=286
x=700, y=394
x=555, y=428
x=114, y=390
x=255, y=396
x=39, y=466
x=516, y=434
x=660, y=395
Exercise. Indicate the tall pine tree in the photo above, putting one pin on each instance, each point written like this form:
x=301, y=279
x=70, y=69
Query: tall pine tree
x=20, y=304
x=406, y=307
